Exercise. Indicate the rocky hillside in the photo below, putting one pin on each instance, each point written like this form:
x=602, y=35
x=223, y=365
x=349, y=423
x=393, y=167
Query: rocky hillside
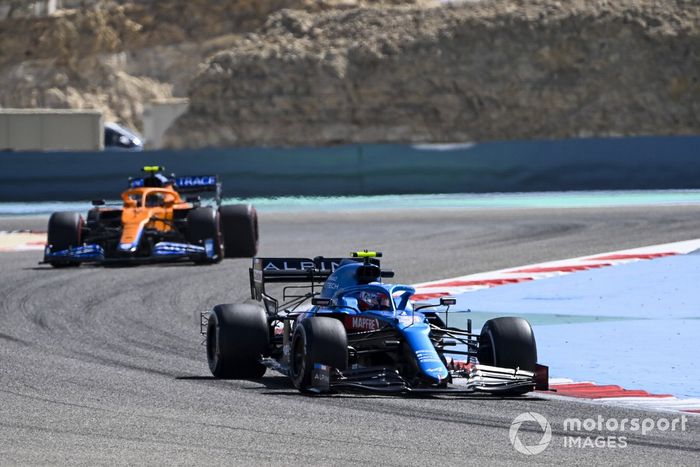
x=497, y=69
x=118, y=55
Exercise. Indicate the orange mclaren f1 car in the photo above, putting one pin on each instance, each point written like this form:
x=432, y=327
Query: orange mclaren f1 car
x=154, y=223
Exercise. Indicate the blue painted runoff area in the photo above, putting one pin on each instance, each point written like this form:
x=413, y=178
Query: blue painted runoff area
x=635, y=325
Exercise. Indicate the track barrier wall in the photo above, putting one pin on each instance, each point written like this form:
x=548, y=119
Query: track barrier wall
x=511, y=166
x=51, y=130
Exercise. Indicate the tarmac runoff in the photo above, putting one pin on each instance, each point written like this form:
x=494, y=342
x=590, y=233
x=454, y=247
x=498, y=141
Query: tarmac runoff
x=631, y=312
x=622, y=308
x=105, y=365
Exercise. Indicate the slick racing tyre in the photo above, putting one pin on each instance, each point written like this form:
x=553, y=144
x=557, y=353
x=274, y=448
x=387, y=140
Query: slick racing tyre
x=240, y=228
x=508, y=342
x=65, y=231
x=93, y=217
x=204, y=224
x=317, y=340
x=237, y=337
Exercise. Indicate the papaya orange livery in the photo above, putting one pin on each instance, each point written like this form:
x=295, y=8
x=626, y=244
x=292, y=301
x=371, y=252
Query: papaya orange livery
x=151, y=208
x=158, y=219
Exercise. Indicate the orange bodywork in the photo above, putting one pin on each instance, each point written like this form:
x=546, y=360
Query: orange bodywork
x=151, y=208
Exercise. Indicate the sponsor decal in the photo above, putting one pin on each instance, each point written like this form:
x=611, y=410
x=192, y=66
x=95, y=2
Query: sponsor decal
x=195, y=181
x=284, y=266
x=321, y=377
x=295, y=265
x=408, y=320
x=361, y=323
x=427, y=356
x=333, y=266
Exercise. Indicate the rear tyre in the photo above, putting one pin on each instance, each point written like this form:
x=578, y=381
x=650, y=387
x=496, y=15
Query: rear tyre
x=237, y=337
x=240, y=229
x=319, y=340
x=65, y=231
x=203, y=225
x=93, y=217
x=508, y=342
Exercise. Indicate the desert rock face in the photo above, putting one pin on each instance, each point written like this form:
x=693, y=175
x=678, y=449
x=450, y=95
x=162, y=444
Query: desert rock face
x=118, y=55
x=498, y=69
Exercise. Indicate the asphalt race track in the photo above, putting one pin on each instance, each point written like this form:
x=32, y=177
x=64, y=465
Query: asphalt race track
x=104, y=365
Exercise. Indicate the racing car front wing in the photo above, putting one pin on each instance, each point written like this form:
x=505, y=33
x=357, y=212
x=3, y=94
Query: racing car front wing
x=162, y=251
x=476, y=379
x=479, y=378
x=83, y=253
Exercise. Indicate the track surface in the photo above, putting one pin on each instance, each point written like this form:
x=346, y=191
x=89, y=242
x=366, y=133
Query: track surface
x=104, y=366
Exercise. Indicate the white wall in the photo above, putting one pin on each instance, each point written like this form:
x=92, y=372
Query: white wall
x=45, y=7
x=28, y=8
x=51, y=130
x=157, y=118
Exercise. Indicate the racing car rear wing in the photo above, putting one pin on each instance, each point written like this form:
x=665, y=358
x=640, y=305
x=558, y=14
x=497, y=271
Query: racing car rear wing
x=185, y=185
x=198, y=184
x=300, y=270
x=289, y=270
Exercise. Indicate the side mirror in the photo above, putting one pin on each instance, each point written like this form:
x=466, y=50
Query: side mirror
x=448, y=301
x=98, y=202
x=321, y=301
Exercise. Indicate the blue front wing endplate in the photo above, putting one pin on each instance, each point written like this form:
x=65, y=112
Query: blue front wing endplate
x=161, y=250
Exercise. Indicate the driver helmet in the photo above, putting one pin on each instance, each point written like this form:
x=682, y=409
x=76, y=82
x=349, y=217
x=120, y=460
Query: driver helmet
x=370, y=300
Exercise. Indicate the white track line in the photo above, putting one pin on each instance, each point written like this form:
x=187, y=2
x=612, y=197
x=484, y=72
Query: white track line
x=22, y=240
x=471, y=282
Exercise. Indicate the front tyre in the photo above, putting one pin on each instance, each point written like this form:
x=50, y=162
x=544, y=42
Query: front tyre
x=508, y=342
x=237, y=337
x=240, y=229
x=317, y=340
x=65, y=231
x=204, y=226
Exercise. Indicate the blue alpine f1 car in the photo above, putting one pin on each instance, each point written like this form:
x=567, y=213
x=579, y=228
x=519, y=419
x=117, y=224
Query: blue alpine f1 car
x=339, y=326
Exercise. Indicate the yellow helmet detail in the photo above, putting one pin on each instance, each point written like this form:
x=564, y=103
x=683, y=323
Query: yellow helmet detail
x=366, y=254
x=153, y=169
